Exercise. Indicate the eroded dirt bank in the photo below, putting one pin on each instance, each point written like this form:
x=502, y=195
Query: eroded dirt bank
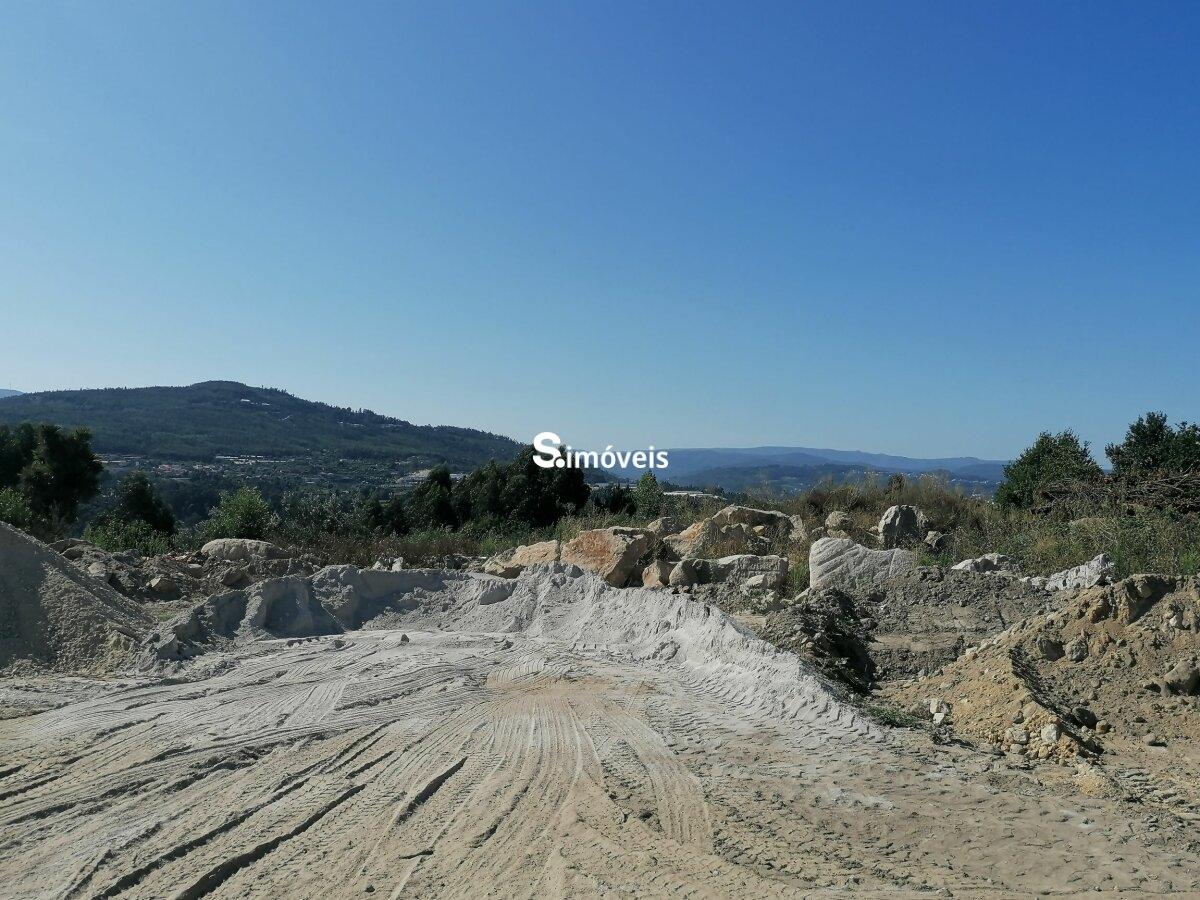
x=548, y=737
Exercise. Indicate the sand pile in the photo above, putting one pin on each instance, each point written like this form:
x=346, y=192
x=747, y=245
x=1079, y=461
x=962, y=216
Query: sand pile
x=556, y=602
x=52, y=615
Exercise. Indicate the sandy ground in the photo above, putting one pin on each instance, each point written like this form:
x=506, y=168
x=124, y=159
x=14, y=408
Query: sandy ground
x=509, y=765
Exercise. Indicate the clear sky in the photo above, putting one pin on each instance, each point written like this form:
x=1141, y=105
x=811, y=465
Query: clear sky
x=925, y=228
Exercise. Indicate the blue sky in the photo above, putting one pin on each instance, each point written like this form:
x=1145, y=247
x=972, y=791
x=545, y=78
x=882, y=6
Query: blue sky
x=925, y=228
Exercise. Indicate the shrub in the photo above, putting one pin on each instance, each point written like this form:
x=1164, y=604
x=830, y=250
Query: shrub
x=16, y=512
x=648, y=496
x=431, y=505
x=1053, y=458
x=54, y=471
x=114, y=535
x=139, y=501
x=1153, y=447
x=241, y=514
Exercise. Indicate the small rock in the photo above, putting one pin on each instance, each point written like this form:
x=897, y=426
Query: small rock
x=1017, y=735
x=1050, y=734
x=162, y=584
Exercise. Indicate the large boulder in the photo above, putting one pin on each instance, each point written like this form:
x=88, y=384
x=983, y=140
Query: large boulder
x=707, y=538
x=512, y=563
x=745, y=515
x=799, y=532
x=901, y=526
x=749, y=571
x=657, y=574
x=687, y=572
x=1099, y=570
x=693, y=540
x=242, y=550
x=666, y=525
x=842, y=563
x=612, y=553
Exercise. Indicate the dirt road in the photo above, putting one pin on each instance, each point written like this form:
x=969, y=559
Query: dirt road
x=412, y=762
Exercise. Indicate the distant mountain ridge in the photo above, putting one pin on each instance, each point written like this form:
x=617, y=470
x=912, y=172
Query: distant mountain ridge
x=225, y=418
x=8, y=392
x=795, y=468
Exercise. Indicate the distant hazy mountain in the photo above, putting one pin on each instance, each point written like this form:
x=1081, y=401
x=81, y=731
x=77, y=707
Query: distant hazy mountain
x=217, y=418
x=8, y=392
x=794, y=468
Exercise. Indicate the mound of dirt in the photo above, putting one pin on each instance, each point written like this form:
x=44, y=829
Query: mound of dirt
x=557, y=602
x=276, y=608
x=824, y=627
x=174, y=580
x=1113, y=673
x=54, y=616
x=925, y=619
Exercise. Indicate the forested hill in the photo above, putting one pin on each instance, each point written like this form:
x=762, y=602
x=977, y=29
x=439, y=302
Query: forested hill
x=214, y=418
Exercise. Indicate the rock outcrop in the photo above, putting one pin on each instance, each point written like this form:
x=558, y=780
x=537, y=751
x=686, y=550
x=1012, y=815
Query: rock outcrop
x=242, y=550
x=612, y=553
x=842, y=563
x=901, y=526
x=512, y=563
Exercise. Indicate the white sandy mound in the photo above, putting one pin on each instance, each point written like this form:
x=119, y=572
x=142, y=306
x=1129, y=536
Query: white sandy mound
x=557, y=603
x=52, y=615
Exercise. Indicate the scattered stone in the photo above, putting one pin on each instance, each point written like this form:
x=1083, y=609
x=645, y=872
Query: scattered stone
x=989, y=562
x=838, y=524
x=1097, y=571
x=901, y=526
x=163, y=585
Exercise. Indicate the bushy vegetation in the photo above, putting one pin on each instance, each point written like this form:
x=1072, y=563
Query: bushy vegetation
x=16, y=512
x=51, y=472
x=1053, y=459
x=241, y=514
x=115, y=535
x=1153, y=448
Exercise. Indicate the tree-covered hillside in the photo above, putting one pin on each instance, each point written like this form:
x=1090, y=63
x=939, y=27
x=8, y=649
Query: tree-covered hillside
x=215, y=418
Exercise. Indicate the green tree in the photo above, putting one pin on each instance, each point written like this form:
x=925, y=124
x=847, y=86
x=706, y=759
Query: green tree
x=648, y=496
x=1153, y=447
x=385, y=517
x=138, y=500
x=241, y=514
x=430, y=504
x=57, y=470
x=1053, y=458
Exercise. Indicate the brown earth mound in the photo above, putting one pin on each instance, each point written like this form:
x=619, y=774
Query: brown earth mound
x=1112, y=675
x=52, y=615
x=925, y=619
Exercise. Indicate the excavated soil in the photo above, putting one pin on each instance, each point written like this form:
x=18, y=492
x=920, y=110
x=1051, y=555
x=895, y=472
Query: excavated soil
x=548, y=736
x=1106, y=684
x=54, y=616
